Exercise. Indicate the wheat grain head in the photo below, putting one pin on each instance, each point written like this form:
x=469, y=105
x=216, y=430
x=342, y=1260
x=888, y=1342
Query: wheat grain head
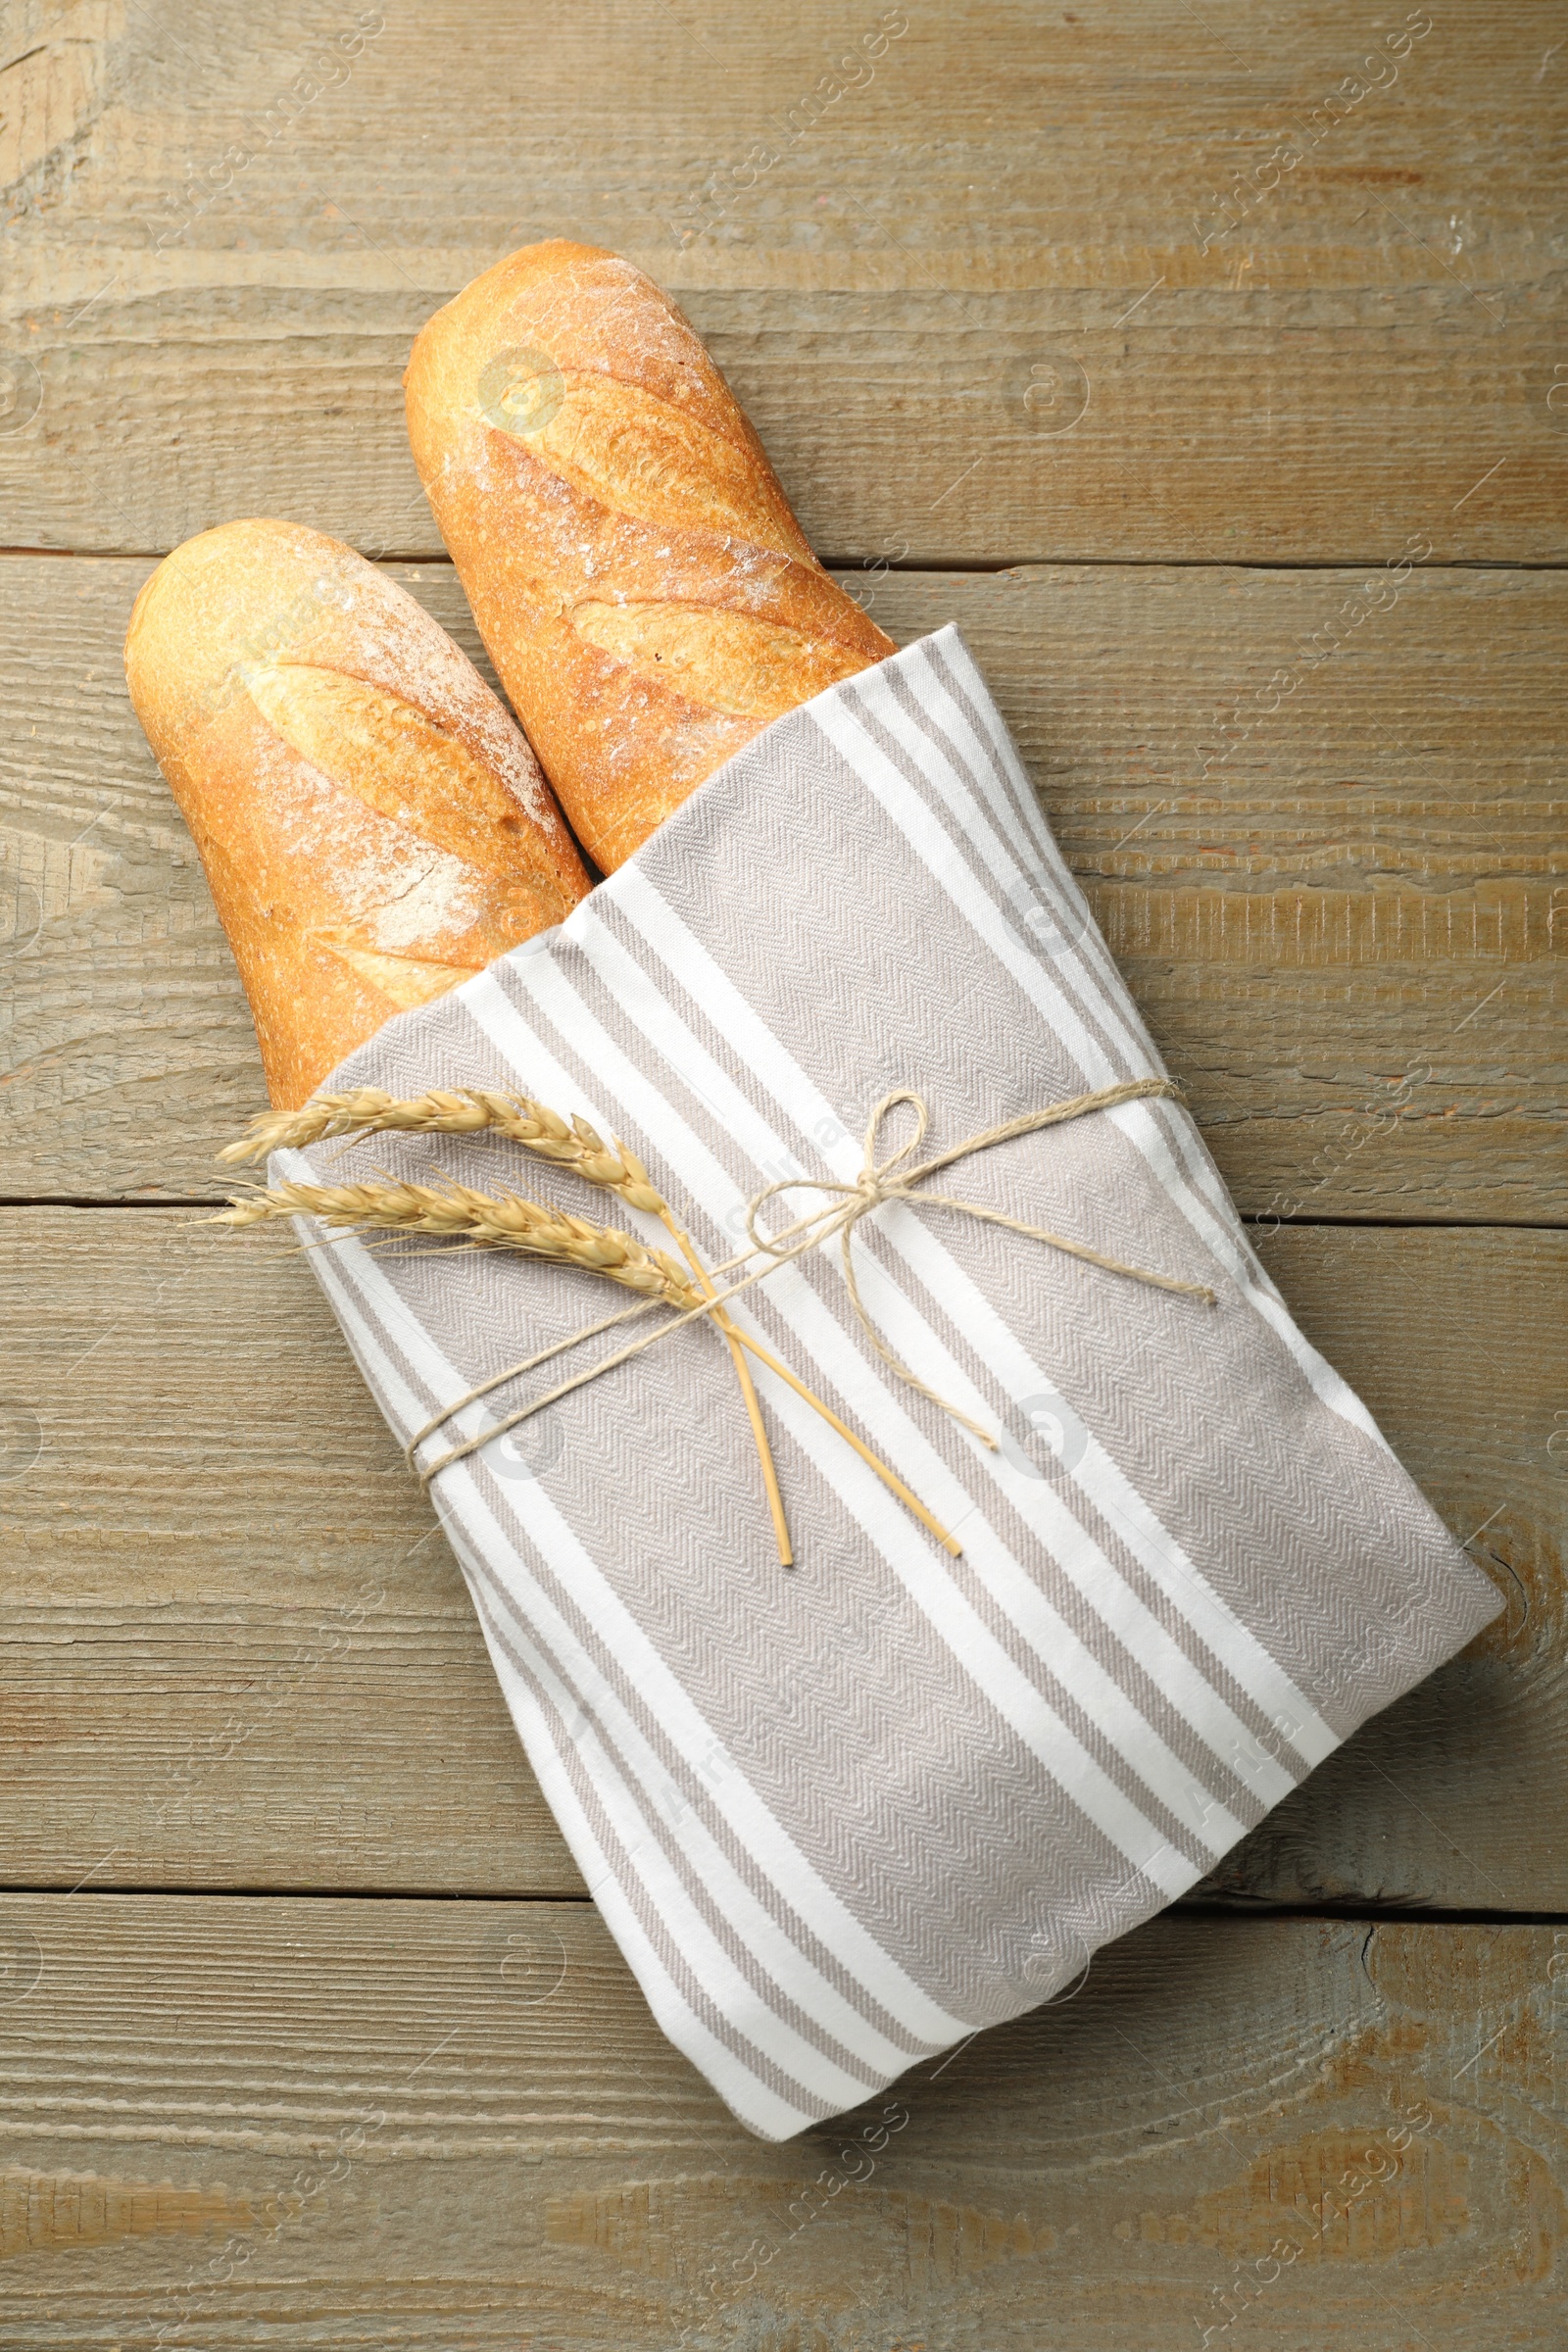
x=571, y=1144
x=484, y=1220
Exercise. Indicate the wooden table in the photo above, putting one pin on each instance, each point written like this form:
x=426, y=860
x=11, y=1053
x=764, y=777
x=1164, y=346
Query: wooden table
x=1206, y=365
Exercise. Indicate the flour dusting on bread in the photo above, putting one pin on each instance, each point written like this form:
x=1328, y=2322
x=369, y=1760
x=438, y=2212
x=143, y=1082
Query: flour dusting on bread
x=373, y=824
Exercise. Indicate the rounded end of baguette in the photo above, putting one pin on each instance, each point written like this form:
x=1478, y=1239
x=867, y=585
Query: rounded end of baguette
x=374, y=827
x=636, y=573
x=230, y=596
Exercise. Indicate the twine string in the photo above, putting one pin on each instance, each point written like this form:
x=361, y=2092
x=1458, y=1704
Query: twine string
x=879, y=1183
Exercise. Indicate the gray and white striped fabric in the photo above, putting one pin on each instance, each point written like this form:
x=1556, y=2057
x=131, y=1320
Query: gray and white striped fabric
x=839, y=1817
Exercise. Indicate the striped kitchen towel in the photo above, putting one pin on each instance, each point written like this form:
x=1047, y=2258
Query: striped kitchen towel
x=841, y=1816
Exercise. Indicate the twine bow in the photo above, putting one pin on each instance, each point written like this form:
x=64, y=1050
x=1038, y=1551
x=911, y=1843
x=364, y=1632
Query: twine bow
x=878, y=1183
x=882, y=1181
x=540, y=1232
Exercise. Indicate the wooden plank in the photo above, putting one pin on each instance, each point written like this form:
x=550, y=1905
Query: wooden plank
x=1347, y=936
x=233, y=1621
x=1333, y=882
x=1024, y=284
x=453, y=2124
x=238, y=1654
x=988, y=308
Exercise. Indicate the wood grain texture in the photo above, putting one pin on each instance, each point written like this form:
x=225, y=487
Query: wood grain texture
x=448, y=2125
x=239, y=1656
x=1024, y=297
x=230, y=1605
x=1347, y=936
x=1029, y=284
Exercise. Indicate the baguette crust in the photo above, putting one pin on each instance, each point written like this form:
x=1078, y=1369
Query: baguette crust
x=374, y=827
x=644, y=591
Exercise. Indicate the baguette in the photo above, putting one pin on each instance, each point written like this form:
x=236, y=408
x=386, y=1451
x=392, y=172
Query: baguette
x=374, y=827
x=645, y=593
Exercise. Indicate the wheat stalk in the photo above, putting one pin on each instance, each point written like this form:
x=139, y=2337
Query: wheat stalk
x=365, y=1110
x=488, y=1223
x=484, y=1220
x=510, y=1222
x=573, y=1144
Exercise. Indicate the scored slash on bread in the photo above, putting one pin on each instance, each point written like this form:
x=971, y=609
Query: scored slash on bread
x=645, y=593
x=374, y=825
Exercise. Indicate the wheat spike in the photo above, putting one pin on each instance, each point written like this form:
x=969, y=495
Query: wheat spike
x=573, y=1145
x=569, y=1144
x=485, y=1221
x=510, y=1222
x=365, y=1110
